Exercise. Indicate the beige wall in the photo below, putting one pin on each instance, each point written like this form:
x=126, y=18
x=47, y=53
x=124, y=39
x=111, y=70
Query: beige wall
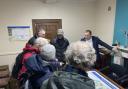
x=76, y=16
x=8, y=59
x=105, y=20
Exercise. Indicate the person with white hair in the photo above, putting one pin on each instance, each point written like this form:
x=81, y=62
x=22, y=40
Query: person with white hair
x=61, y=44
x=48, y=51
x=42, y=65
x=80, y=55
x=41, y=41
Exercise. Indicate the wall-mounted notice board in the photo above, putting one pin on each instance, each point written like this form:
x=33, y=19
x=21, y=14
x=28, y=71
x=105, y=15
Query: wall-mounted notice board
x=19, y=32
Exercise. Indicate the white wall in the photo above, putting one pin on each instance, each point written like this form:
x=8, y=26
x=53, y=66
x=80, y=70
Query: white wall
x=76, y=15
x=105, y=20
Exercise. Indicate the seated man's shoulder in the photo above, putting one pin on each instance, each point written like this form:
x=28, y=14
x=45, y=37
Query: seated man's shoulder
x=66, y=39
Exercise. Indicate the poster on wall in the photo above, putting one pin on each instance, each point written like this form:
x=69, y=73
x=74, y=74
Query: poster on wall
x=19, y=32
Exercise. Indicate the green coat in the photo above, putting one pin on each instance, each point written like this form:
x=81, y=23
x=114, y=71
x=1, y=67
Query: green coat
x=68, y=80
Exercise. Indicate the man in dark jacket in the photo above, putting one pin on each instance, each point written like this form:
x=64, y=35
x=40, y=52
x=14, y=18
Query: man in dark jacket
x=94, y=43
x=61, y=44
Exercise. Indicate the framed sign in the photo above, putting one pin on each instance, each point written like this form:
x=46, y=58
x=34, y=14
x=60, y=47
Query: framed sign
x=19, y=32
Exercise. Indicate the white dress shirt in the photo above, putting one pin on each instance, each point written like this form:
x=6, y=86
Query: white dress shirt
x=90, y=42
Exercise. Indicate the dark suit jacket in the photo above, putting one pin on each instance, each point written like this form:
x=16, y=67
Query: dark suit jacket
x=96, y=42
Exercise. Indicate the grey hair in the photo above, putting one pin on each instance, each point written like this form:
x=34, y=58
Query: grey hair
x=41, y=41
x=48, y=51
x=80, y=53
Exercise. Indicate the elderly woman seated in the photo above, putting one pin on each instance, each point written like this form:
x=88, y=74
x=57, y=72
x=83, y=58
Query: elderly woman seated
x=41, y=66
x=80, y=57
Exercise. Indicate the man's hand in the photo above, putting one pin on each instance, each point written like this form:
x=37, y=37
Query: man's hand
x=115, y=49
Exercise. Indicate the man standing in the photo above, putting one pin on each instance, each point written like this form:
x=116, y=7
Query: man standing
x=94, y=43
x=61, y=44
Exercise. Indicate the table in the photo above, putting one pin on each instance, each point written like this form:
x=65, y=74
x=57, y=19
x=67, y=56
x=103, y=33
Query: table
x=101, y=81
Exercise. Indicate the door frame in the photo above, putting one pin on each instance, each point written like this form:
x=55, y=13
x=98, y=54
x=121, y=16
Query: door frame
x=34, y=21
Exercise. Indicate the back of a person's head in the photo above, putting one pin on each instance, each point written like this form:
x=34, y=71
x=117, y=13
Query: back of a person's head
x=48, y=51
x=41, y=41
x=80, y=53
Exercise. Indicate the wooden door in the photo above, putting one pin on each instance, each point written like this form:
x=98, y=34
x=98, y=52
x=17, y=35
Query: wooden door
x=50, y=25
